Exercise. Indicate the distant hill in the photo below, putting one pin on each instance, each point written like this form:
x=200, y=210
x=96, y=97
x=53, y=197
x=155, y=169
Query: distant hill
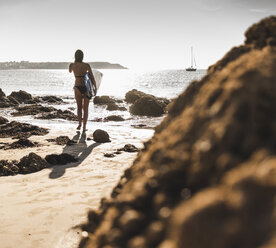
x=54, y=65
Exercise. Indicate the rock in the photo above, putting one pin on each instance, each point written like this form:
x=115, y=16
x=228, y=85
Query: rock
x=20, y=144
x=32, y=110
x=114, y=118
x=32, y=163
x=3, y=120
x=113, y=106
x=21, y=96
x=101, y=136
x=8, y=168
x=103, y=100
x=109, y=155
x=62, y=140
x=13, y=100
x=61, y=159
x=133, y=95
x=208, y=173
x=20, y=130
x=59, y=114
x=148, y=106
x=52, y=99
x=129, y=148
x=2, y=94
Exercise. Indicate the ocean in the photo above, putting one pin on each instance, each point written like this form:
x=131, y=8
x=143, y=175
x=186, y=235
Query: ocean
x=165, y=83
x=115, y=83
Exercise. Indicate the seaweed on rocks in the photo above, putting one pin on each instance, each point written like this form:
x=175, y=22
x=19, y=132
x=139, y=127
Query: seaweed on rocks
x=20, y=130
x=60, y=159
x=209, y=171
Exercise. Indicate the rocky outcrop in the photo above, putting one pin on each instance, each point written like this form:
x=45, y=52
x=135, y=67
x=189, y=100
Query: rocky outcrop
x=103, y=100
x=3, y=120
x=133, y=95
x=207, y=175
x=20, y=130
x=22, y=96
x=101, y=136
x=62, y=140
x=32, y=163
x=145, y=104
x=113, y=118
x=20, y=144
x=113, y=107
x=148, y=106
x=60, y=159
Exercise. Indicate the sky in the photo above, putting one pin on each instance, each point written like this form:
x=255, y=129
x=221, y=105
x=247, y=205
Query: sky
x=139, y=34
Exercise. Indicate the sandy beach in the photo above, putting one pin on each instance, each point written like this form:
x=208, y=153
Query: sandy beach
x=42, y=208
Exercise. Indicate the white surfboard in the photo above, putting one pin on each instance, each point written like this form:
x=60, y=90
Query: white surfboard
x=98, y=77
x=89, y=85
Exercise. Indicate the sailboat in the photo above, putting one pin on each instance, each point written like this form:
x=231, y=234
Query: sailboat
x=192, y=68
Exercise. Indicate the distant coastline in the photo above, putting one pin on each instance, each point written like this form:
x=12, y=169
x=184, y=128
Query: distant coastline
x=54, y=65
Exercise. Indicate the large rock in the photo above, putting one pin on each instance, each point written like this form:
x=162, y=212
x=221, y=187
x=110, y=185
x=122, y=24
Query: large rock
x=32, y=163
x=103, y=100
x=22, y=96
x=101, y=136
x=133, y=95
x=207, y=177
x=148, y=106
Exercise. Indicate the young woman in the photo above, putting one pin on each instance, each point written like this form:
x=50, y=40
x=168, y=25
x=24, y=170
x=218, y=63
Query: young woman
x=79, y=68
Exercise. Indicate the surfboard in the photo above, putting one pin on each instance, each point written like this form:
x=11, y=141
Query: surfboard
x=91, y=91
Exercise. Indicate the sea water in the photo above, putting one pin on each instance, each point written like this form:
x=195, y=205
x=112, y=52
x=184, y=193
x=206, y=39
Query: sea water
x=165, y=83
x=115, y=83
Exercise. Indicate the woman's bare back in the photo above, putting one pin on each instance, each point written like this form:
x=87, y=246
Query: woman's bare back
x=80, y=69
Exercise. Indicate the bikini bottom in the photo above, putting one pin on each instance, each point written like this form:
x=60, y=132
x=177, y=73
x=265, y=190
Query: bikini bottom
x=82, y=89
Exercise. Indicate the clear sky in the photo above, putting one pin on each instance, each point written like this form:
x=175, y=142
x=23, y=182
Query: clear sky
x=153, y=34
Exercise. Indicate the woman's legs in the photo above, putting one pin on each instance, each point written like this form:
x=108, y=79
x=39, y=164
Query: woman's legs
x=85, y=111
x=79, y=97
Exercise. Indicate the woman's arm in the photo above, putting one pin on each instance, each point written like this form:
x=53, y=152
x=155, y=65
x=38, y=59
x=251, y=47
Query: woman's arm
x=71, y=67
x=92, y=77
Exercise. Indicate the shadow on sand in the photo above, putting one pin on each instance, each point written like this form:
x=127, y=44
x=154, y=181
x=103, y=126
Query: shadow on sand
x=80, y=150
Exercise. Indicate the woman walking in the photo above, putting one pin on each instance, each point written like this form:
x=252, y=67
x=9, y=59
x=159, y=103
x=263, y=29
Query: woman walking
x=80, y=68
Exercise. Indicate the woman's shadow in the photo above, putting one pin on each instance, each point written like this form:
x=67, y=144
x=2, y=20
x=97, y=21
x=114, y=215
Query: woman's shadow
x=79, y=150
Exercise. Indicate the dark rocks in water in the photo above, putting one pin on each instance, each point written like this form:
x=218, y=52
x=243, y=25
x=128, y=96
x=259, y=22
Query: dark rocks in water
x=59, y=114
x=52, y=99
x=109, y=155
x=60, y=159
x=103, y=100
x=21, y=144
x=113, y=107
x=114, y=118
x=208, y=173
x=3, y=120
x=129, y=148
x=62, y=140
x=32, y=163
x=2, y=94
x=22, y=96
x=148, y=106
x=8, y=168
x=13, y=100
x=32, y=110
x=20, y=130
x=133, y=95
x=101, y=136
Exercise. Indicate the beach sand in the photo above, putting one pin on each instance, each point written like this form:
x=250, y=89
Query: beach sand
x=42, y=208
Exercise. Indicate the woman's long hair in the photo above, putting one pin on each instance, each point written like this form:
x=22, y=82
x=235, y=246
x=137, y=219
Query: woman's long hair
x=78, y=56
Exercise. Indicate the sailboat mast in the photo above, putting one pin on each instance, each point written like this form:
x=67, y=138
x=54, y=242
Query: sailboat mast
x=192, y=57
